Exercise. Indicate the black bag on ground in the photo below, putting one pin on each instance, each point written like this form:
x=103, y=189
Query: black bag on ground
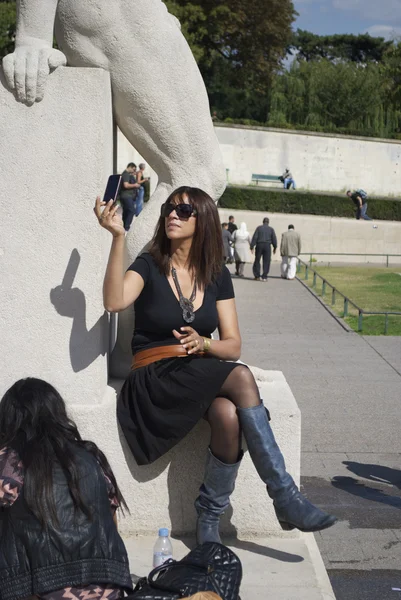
x=209, y=568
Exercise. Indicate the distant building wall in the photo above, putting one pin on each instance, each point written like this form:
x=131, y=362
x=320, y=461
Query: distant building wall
x=318, y=162
x=321, y=162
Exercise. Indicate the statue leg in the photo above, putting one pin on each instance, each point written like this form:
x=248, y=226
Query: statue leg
x=161, y=106
x=164, y=113
x=160, y=101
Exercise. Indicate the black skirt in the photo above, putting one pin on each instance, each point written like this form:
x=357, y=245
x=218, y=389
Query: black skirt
x=161, y=403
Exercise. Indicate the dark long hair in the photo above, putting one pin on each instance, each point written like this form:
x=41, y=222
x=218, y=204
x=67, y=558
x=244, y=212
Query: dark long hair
x=34, y=423
x=206, y=254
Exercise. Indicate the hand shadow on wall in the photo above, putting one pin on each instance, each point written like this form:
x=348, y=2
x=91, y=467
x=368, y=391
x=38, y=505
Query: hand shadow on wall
x=85, y=345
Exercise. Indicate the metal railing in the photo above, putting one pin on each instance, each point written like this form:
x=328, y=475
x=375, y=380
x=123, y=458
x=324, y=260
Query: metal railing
x=347, y=301
x=386, y=256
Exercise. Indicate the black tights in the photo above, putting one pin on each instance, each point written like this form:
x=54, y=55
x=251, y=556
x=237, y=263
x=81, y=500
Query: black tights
x=238, y=391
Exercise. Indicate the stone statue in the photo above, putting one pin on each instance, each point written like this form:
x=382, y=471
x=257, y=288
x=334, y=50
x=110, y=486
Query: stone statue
x=159, y=98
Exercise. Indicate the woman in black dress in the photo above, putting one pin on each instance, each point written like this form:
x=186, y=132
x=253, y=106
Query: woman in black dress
x=182, y=293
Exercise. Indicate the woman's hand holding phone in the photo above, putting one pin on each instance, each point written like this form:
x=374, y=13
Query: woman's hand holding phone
x=108, y=217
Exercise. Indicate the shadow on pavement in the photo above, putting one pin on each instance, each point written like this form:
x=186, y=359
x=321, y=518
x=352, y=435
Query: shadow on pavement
x=375, y=473
x=371, y=494
x=253, y=547
x=265, y=551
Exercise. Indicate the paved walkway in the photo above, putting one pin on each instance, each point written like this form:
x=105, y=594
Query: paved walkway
x=349, y=391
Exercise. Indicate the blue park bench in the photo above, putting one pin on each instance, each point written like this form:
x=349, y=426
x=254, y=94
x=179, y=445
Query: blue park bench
x=266, y=178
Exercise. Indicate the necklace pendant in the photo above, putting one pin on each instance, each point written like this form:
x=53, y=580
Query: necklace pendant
x=188, y=313
x=188, y=316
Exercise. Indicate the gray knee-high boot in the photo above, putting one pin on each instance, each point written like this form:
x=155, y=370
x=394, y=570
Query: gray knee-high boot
x=293, y=510
x=214, y=497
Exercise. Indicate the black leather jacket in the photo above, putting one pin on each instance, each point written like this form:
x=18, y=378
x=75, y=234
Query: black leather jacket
x=82, y=551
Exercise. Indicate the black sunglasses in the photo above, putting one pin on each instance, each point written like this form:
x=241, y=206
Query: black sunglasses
x=184, y=211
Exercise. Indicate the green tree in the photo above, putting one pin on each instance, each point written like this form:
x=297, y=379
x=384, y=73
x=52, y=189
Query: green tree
x=361, y=48
x=347, y=92
x=7, y=27
x=343, y=97
x=392, y=71
x=250, y=35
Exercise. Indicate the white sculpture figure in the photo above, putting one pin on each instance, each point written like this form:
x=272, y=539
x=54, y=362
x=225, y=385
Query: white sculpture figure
x=160, y=101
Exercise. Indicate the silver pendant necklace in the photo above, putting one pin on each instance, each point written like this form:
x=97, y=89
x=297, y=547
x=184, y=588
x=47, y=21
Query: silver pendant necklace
x=187, y=304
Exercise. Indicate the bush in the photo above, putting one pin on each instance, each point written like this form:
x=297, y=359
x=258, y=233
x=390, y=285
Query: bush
x=306, y=127
x=310, y=203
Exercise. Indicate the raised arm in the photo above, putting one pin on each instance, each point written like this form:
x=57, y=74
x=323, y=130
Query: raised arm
x=27, y=68
x=119, y=290
x=35, y=22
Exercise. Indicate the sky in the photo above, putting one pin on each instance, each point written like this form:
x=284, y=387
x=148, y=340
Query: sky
x=326, y=17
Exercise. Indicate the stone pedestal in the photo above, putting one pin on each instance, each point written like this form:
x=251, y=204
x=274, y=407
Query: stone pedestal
x=56, y=157
x=163, y=494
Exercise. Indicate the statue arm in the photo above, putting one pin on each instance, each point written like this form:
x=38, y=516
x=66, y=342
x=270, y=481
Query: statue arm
x=26, y=70
x=35, y=22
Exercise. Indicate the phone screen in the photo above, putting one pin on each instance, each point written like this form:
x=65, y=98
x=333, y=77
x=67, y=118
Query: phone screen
x=112, y=188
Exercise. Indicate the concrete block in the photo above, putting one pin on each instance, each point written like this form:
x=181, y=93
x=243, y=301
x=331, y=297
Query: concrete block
x=162, y=494
x=56, y=156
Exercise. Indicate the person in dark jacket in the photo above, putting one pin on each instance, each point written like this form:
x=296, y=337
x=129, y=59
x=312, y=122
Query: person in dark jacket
x=231, y=224
x=227, y=241
x=58, y=498
x=359, y=198
x=231, y=228
x=263, y=239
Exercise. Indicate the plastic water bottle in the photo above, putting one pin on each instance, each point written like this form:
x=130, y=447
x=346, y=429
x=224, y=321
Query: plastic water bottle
x=163, y=549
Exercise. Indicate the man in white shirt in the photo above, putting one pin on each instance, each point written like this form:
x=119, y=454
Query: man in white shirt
x=290, y=248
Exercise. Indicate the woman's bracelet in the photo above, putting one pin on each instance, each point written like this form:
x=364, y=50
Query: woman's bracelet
x=206, y=344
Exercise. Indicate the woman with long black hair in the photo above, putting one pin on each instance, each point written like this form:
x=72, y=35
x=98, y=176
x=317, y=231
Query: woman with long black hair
x=182, y=293
x=58, y=497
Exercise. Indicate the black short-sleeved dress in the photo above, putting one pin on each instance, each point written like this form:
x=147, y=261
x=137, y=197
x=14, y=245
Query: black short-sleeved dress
x=159, y=404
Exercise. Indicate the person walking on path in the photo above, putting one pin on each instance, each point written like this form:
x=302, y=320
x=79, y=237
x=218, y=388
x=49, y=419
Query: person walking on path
x=359, y=198
x=290, y=248
x=231, y=224
x=227, y=241
x=242, y=243
x=140, y=179
x=263, y=239
x=231, y=228
x=182, y=292
x=129, y=189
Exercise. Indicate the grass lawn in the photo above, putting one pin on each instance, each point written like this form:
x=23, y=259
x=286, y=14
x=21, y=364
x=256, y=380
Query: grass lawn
x=371, y=288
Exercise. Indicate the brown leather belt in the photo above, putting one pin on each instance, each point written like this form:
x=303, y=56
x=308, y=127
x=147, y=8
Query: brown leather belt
x=147, y=357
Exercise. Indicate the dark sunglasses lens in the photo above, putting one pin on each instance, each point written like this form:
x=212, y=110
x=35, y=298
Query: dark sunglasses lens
x=166, y=209
x=184, y=211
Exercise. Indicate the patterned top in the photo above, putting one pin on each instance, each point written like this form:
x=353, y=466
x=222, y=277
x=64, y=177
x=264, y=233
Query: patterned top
x=11, y=484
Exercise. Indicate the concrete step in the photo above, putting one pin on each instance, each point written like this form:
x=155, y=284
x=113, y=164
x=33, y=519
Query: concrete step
x=275, y=568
